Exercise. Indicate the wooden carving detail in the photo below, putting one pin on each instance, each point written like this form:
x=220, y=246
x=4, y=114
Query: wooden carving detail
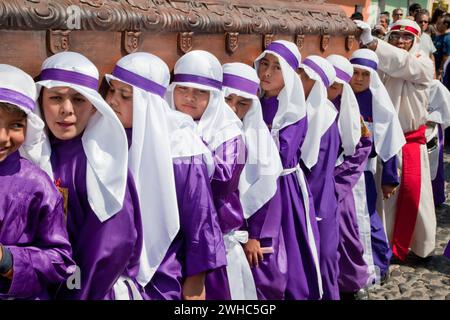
x=349, y=42
x=324, y=42
x=131, y=41
x=300, y=41
x=185, y=41
x=203, y=16
x=58, y=40
x=267, y=39
x=231, y=41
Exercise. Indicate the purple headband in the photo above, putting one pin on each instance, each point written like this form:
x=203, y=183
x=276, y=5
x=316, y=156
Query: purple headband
x=240, y=83
x=17, y=98
x=139, y=81
x=70, y=77
x=341, y=74
x=318, y=70
x=197, y=79
x=285, y=53
x=365, y=62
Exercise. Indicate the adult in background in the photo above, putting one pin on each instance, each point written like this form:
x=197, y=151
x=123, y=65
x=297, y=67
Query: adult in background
x=407, y=75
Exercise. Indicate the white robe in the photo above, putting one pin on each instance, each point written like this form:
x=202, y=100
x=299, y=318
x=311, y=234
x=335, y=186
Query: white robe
x=407, y=77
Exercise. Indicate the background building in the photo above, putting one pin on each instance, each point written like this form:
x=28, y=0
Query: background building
x=371, y=8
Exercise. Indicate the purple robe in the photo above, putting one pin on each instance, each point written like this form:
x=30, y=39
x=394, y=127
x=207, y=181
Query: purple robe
x=301, y=272
x=33, y=228
x=321, y=182
x=198, y=246
x=103, y=251
x=439, y=181
x=353, y=270
x=229, y=161
x=381, y=250
x=271, y=274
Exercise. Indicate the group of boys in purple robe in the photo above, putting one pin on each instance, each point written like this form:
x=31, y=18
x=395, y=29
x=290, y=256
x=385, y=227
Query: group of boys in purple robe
x=50, y=230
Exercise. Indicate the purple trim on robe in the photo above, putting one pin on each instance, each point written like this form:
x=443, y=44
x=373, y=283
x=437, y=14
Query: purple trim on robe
x=33, y=228
x=322, y=184
x=439, y=182
x=103, y=251
x=240, y=83
x=199, y=245
x=389, y=173
x=301, y=273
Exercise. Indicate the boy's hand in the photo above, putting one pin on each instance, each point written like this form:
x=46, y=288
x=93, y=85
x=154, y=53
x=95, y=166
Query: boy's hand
x=253, y=252
x=194, y=287
x=388, y=190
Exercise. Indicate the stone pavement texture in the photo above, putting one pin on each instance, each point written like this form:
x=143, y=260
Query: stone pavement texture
x=418, y=279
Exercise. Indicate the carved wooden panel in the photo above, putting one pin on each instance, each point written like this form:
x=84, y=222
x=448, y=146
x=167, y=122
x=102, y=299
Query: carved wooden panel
x=58, y=40
x=206, y=16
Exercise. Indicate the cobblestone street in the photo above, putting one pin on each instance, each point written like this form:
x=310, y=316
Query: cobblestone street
x=415, y=279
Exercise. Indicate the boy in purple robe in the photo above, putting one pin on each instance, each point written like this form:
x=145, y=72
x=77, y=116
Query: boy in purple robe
x=258, y=185
x=284, y=112
x=103, y=216
x=182, y=237
x=354, y=151
x=382, y=120
x=35, y=253
x=319, y=154
x=196, y=91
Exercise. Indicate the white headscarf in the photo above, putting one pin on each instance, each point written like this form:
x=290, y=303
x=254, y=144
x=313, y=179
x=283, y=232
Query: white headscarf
x=159, y=135
x=349, y=121
x=292, y=105
x=258, y=181
x=321, y=112
x=17, y=88
x=104, y=139
x=387, y=131
x=439, y=109
x=200, y=69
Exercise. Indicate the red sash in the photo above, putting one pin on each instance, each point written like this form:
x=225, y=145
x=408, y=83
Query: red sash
x=409, y=195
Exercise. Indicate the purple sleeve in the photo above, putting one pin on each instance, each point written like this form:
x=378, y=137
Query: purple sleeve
x=347, y=174
x=390, y=173
x=229, y=159
x=203, y=245
x=107, y=250
x=291, y=139
x=266, y=222
x=46, y=260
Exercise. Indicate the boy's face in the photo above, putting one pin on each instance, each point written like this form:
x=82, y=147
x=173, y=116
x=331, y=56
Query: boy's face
x=12, y=132
x=271, y=76
x=120, y=98
x=335, y=90
x=307, y=82
x=191, y=101
x=66, y=111
x=239, y=105
x=360, y=80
